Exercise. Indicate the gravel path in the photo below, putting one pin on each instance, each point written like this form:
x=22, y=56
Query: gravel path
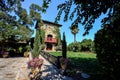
x=50, y=72
x=16, y=69
x=13, y=68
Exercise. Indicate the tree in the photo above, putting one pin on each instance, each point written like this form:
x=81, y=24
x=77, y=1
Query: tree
x=35, y=12
x=14, y=22
x=86, y=45
x=42, y=36
x=37, y=44
x=107, y=48
x=72, y=45
x=74, y=30
x=64, y=46
x=86, y=12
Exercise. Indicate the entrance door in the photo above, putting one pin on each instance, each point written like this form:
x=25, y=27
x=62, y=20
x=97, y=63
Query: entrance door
x=49, y=46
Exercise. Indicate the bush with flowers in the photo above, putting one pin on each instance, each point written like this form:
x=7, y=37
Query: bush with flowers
x=35, y=65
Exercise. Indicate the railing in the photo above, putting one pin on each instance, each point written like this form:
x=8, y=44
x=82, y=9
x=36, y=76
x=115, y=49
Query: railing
x=52, y=59
x=51, y=40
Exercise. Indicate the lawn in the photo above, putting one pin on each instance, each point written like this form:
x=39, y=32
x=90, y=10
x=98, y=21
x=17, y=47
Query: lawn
x=76, y=54
x=84, y=61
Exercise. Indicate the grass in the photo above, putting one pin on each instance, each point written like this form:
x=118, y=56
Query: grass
x=84, y=61
x=76, y=54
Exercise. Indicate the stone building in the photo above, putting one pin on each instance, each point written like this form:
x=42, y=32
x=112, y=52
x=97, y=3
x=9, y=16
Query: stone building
x=50, y=36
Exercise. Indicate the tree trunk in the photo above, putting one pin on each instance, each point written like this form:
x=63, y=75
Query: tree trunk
x=74, y=38
x=74, y=49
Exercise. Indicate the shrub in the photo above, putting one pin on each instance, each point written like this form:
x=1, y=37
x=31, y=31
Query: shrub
x=107, y=47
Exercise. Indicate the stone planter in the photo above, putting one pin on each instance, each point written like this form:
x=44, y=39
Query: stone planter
x=34, y=73
x=63, y=66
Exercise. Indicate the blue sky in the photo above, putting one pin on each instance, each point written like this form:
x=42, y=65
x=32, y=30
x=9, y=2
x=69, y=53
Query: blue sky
x=52, y=13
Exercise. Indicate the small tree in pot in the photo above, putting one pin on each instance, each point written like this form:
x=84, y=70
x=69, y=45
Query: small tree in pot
x=63, y=59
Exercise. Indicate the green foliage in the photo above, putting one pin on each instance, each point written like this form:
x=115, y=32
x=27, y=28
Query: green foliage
x=14, y=26
x=107, y=47
x=20, y=49
x=18, y=23
x=64, y=46
x=74, y=29
x=84, y=45
x=42, y=36
x=35, y=12
x=72, y=45
x=86, y=12
x=57, y=32
x=43, y=46
x=37, y=44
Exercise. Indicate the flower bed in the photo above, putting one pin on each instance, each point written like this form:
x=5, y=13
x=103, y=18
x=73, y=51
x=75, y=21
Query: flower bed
x=35, y=66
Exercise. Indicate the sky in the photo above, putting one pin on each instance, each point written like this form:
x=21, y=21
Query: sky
x=51, y=13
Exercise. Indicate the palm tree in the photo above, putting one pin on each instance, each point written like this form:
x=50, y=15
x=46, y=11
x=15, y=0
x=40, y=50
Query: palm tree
x=74, y=30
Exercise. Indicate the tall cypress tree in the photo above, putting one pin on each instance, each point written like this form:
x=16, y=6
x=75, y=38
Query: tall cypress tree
x=37, y=40
x=36, y=48
x=64, y=46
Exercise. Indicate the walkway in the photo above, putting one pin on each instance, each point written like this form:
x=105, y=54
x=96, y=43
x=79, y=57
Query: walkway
x=50, y=72
x=14, y=68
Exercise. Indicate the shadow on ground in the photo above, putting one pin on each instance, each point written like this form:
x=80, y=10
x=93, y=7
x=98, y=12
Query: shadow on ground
x=89, y=66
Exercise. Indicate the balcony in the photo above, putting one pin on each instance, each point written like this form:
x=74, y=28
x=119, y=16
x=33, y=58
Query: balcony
x=51, y=40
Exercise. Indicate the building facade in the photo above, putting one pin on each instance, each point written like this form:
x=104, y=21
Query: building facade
x=50, y=36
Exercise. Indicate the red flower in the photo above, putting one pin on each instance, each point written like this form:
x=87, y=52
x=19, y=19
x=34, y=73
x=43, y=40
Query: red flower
x=36, y=62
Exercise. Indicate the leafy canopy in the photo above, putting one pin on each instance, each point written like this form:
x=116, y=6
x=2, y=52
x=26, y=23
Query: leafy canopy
x=15, y=21
x=86, y=12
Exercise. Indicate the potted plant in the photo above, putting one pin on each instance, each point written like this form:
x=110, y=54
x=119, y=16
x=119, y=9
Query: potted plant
x=27, y=49
x=26, y=54
x=5, y=53
x=64, y=59
x=35, y=66
x=63, y=63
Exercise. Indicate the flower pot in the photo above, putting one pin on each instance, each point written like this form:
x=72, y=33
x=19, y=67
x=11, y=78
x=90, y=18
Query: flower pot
x=5, y=55
x=26, y=54
x=63, y=63
x=64, y=66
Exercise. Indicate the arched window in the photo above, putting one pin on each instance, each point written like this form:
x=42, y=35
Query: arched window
x=49, y=37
